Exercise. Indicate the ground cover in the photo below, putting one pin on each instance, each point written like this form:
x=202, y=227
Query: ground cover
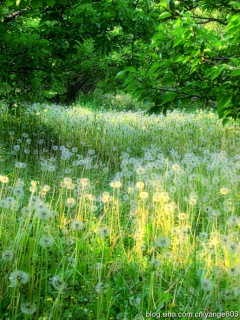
x=113, y=215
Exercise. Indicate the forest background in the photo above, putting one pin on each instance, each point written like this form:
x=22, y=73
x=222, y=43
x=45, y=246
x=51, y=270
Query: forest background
x=165, y=53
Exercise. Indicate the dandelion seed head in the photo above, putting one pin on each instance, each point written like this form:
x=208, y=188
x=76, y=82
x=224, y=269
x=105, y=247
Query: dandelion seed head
x=70, y=203
x=104, y=231
x=233, y=271
x=28, y=308
x=18, y=278
x=101, y=287
x=58, y=283
x=206, y=284
x=7, y=255
x=233, y=220
x=43, y=213
x=46, y=241
x=163, y=242
x=77, y=225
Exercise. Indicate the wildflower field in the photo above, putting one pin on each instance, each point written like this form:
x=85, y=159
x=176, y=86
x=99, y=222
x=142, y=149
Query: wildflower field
x=118, y=215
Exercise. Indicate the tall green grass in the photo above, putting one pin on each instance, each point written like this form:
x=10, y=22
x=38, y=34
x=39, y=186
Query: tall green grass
x=112, y=215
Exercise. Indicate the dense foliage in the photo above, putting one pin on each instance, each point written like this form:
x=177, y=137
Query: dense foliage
x=188, y=61
x=166, y=52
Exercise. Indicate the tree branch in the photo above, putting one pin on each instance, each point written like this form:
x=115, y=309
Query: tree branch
x=176, y=91
x=219, y=58
x=208, y=19
x=27, y=68
x=216, y=64
x=14, y=15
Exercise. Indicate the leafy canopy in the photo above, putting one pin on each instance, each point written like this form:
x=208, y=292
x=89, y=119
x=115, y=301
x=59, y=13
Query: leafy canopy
x=194, y=55
x=166, y=52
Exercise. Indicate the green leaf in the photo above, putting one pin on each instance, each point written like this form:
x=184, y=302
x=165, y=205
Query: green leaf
x=225, y=85
x=50, y=3
x=36, y=3
x=163, y=4
x=193, y=69
x=163, y=70
x=227, y=112
x=235, y=61
x=235, y=4
x=180, y=58
x=154, y=15
x=120, y=74
x=154, y=67
x=10, y=3
x=224, y=101
x=137, y=94
x=177, y=42
x=130, y=69
x=235, y=73
x=195, y=53
x=225, y=121
x=153, y=55
x=169, y=96
x=160, y=28
x=146, y=102
x=233, y=18
x=216, y=73
x=132, y=87
x=164, y=15
x=127, y=80
x=155, y=109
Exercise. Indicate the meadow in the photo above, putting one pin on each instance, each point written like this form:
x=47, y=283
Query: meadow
x=108, y=214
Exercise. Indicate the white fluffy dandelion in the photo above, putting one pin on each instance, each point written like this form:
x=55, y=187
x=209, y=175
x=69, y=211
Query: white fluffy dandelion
x=58, y=283
x=232, y=247
x=28, y=308
x=77, y=225
x=163, y=242
x=43, y=213
x=233, y=271
x=101, y=287
x=206, y=284
x=7, y=255
x=18, y=192
x=46, y=242
x=104, y=231
x=70, y=203
x=233, y=220
x=18, y=278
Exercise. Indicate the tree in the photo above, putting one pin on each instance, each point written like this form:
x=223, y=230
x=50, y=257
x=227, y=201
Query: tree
x=53, y=49
x=194, y=55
